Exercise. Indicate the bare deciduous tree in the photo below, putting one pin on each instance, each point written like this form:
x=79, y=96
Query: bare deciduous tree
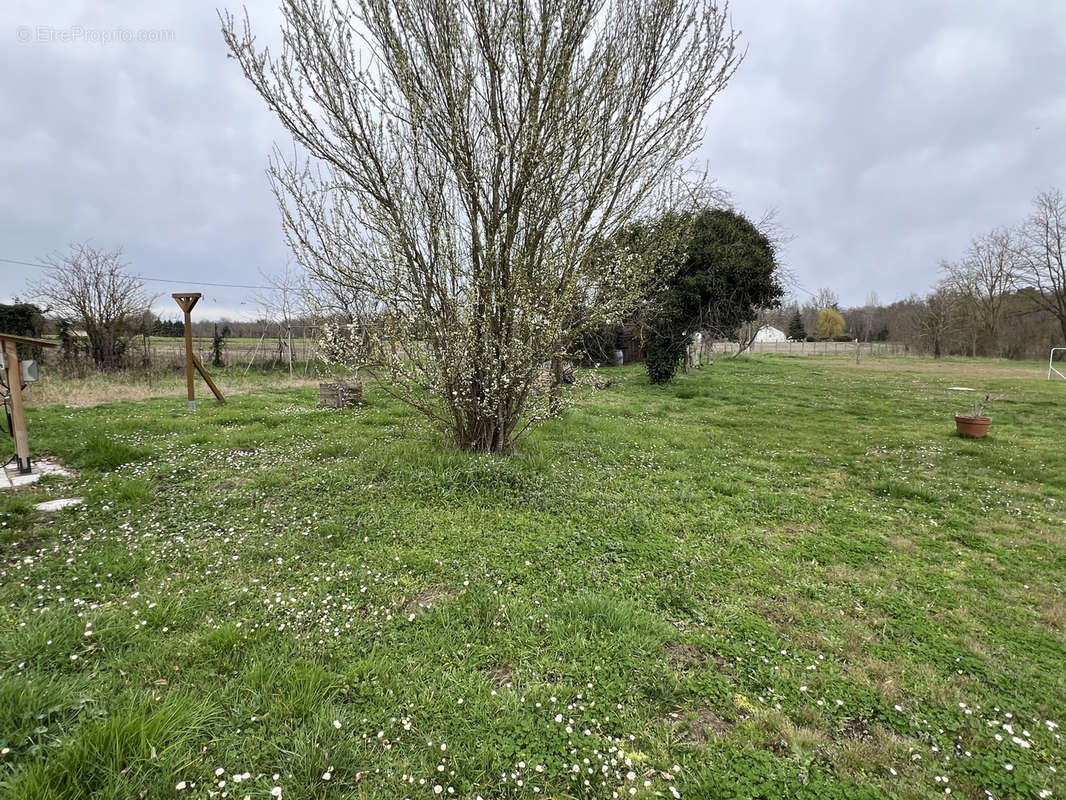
x=93, y=289
x=826, y=298
x=984, y=278
x=282, y=303
x=1042, y=255
x=864, y=330
x=935, y=318
x=465, y=167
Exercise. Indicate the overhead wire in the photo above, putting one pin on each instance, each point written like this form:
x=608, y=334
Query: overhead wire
x=167, y=280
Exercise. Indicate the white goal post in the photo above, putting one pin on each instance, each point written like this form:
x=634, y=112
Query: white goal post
x=1050, y=359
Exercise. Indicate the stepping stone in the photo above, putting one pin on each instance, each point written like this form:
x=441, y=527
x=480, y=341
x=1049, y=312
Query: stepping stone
x=61, y=503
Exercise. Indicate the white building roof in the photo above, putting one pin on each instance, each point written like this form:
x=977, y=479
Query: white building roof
x=768, y=333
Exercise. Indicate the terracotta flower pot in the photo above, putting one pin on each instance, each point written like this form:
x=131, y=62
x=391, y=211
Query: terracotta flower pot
x=973, y=427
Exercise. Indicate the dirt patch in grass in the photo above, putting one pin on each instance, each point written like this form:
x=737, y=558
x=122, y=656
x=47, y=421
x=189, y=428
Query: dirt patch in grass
x=499, y=675
x=856, y=729
x=685, y=657
x=902, y=544
x=1054, y=612
x=688, y=657
x=788, y=532
x=18, y=548
x=789, y=614
x=427, y=599
x=701, y=726
x=28, y=544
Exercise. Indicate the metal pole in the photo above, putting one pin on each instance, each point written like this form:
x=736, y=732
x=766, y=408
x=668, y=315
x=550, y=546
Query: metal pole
x=290, y=351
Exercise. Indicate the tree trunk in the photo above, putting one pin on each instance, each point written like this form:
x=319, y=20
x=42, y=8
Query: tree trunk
x=555, y=399
x=290, y=353
x=484, y=436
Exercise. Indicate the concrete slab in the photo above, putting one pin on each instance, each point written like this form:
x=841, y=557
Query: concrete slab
x=47, y=466
x=18, y=479
x=59, y=504
x=11, y=479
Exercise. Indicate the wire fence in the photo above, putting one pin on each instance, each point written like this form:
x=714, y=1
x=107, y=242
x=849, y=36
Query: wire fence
x=164, y=353
x=819, y=348
x=270, y=352
x=263, y=353
x=274, y=352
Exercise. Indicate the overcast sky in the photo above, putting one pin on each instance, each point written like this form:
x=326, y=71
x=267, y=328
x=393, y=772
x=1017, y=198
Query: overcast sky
x=886, y=135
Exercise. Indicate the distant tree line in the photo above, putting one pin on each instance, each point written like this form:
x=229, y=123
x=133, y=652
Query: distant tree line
x=168, y=327
x=1005, y=297
x=941, y=323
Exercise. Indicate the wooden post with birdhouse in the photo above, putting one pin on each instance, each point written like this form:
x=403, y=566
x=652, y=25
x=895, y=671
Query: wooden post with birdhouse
x=186, y=301
x=16, y=375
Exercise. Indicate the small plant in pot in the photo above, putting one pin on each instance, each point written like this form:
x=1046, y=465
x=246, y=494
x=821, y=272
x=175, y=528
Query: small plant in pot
x=975, y=423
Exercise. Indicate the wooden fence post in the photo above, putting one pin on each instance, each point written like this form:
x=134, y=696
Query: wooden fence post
x=186, y=301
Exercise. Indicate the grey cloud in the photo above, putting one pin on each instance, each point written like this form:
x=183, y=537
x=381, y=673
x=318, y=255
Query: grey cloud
x=889, y=134
x=885, y=134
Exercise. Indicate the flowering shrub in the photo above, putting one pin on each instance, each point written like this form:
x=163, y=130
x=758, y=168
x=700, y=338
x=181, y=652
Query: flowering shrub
x=469, y=173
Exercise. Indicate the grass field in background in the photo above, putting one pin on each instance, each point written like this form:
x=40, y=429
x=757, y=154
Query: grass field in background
x=777, y=577
x=161, y=382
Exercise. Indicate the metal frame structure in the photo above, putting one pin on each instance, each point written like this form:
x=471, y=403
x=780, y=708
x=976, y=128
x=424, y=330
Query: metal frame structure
x=1051, y=358
x=13, y=382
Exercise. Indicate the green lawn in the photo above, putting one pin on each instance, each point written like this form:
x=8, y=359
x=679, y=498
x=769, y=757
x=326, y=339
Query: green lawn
x=778, y=577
